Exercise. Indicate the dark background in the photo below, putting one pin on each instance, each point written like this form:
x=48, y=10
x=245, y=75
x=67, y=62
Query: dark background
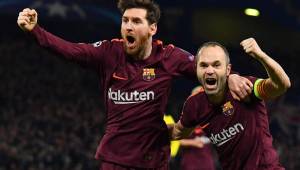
x=51, y=112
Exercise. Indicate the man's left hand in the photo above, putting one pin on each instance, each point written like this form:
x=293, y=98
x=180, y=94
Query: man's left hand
x=240, y=87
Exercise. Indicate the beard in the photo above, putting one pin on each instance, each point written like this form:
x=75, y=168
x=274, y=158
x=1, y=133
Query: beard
x=138, y=52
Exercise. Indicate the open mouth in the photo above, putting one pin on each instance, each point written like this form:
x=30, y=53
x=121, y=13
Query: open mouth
x=211, y=81
x=131, y=41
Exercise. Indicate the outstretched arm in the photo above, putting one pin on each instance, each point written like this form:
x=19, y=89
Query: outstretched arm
x=278, y=81
x=79, y=52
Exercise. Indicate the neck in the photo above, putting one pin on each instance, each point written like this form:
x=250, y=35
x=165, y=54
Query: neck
x=217, y=99
x=148, y=48
x=145, y=52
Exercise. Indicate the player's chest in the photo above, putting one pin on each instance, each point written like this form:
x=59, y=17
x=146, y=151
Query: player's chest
x=136, y=76
x=229, y=122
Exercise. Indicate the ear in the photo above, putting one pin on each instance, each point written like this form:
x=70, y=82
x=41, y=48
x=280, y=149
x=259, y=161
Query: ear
x=228, y=69
x=153, y=29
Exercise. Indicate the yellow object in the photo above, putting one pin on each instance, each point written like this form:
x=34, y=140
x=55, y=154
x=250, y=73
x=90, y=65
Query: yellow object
x=252, y=12
x=174, y=144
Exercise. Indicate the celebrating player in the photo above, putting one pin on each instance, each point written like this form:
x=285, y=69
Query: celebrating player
x=196, y=152
x=135, y=73
x=239, y=130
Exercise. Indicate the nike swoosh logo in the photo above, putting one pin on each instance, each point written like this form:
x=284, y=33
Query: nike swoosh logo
x=204, y=126
x=118, y=77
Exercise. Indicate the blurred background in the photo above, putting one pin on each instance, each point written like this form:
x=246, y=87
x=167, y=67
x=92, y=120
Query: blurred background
x=51, y=112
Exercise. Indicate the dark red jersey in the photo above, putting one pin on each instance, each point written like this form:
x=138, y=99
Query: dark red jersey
x=193, y=158
x=135, y=95
x=240, y=131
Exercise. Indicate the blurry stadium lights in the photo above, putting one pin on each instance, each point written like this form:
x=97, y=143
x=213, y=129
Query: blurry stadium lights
x=252, y=12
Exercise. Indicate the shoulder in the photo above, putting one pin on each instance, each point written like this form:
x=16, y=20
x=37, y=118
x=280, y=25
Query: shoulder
x=196, y=100
x=113, y=43
x=171, y=51
x=111, y=50
x=194, y=110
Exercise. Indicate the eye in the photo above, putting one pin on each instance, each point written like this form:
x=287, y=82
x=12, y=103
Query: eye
x=125, y=20
x=136, y=21
x=216, y=65
x=203, y=65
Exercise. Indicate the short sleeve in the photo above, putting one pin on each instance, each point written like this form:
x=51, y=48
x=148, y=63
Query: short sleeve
x=189, y=113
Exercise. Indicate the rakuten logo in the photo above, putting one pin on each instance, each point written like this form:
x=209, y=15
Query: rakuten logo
x=119, y=97
x=226, y=134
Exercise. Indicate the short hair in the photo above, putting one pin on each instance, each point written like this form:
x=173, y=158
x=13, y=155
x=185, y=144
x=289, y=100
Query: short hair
x=213, y=44
x=153, y=10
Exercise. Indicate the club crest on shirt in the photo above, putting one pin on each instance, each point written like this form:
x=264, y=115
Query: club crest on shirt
x=227, y=109
x=148, y=74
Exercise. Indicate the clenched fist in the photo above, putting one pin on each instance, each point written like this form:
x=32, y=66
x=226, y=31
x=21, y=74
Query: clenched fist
x=27, y=19
x=251, y=47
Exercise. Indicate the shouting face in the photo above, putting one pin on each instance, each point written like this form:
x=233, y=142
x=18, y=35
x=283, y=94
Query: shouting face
x=213, y=69
x=137, y=32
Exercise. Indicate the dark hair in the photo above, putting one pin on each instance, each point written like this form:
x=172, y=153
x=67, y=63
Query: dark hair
x=213, y=44
x=153, y=11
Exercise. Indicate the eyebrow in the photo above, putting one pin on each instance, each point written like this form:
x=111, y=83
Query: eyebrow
x=214, y=62
x=133, y=18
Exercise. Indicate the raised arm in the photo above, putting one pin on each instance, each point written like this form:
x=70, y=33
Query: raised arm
x=80, y=52
x=277, y=82
x=27, y=19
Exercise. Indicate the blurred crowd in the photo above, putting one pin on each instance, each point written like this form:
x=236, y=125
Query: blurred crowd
x=45, y=126
x=285, y=128
x=52, y=117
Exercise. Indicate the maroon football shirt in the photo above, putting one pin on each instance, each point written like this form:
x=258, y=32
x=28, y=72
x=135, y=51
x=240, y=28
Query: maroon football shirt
x=193, y=158
x=136, y=94
x=240, y=131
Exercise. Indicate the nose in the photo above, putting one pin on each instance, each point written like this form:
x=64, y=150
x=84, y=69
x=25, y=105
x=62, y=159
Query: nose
x=209, y=70
x=128, y=26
